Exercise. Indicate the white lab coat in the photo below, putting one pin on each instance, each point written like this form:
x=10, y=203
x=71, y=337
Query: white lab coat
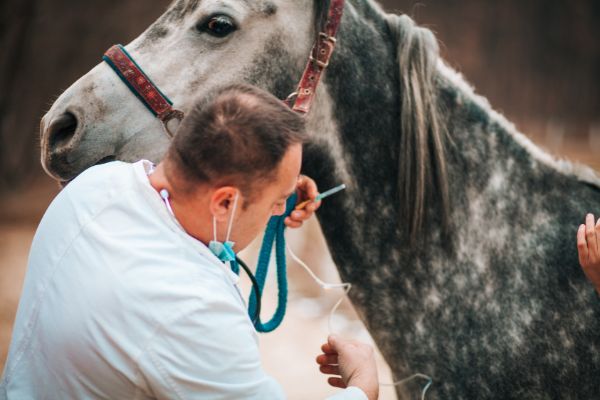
x=120, y=303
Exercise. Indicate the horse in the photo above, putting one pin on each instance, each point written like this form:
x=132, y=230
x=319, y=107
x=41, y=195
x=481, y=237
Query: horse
x=456, y=231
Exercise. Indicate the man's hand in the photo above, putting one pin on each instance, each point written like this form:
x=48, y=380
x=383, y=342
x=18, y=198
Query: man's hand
x=353, y=361
x=306, y=190
x=588, y=246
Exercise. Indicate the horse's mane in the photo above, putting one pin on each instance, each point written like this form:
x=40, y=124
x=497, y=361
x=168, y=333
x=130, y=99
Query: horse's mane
x=422, y=171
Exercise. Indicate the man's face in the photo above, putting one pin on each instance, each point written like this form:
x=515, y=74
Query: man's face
x=269, y=200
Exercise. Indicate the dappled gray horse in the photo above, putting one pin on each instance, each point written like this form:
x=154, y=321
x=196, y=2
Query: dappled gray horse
x=457, y=233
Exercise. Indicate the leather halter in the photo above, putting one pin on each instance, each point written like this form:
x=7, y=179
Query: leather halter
x=318, y=59
x=300, y=100
x=142, y=86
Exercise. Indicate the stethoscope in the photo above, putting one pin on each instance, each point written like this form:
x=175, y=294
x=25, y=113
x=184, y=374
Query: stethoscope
x=164, y=194
x=255, y=288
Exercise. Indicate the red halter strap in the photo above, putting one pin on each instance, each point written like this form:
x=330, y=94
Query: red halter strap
x=318, y=60
x=142, y=86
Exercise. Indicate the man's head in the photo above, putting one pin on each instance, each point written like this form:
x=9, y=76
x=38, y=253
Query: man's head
x=241, y=140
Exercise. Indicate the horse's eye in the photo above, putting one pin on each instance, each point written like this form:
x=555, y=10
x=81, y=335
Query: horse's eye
x=217, y=25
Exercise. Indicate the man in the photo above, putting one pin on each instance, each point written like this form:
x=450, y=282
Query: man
x=127, y=294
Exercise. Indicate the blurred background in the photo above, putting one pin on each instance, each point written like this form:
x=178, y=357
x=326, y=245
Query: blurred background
x=537, y=61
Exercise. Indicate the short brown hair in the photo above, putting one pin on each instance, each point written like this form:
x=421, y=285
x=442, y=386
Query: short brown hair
x=236, y=136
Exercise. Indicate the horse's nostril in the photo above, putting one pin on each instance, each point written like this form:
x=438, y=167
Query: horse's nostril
x=61, y=130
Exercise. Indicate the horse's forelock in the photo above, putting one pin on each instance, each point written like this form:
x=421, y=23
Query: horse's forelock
x=422, y=171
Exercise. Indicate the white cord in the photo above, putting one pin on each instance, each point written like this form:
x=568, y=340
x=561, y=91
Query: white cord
x=324, y=285
x=230, y=225
x=410, y=378
x=164, y=193
x=347, y=286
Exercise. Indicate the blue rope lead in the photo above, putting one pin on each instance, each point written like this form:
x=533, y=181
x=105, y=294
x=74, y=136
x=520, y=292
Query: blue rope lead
x=273, y=235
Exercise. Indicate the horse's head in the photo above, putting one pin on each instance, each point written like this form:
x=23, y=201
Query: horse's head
x=194, y=47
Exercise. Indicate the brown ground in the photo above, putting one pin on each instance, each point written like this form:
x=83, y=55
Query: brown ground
x=288, y=353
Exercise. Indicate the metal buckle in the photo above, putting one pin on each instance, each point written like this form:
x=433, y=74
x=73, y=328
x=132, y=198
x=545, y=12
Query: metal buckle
x=292, y=96
x=167, y=117
x=329, y=41
x=327, y=37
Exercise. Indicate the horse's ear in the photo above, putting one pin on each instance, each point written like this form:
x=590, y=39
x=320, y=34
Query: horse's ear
x=422, y=173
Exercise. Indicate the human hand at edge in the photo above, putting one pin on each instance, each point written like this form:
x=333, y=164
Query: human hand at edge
x=588, y=247
x=352, y=362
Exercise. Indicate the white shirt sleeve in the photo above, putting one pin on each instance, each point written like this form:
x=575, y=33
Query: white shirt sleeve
x=210, y=351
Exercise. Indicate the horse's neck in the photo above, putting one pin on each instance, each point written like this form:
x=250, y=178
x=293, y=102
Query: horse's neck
x=508, y=195
x=485, y=149
x=512, y=229
x=356, y=129
x=480, y=139
x=487, y=159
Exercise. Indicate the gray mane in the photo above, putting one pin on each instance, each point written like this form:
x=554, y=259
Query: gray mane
x=422, y=172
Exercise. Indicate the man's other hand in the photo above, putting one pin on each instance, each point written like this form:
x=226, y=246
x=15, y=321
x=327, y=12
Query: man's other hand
x=306, y=190
x=353, y=362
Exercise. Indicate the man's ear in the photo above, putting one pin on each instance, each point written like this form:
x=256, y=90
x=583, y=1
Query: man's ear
x=221, y=202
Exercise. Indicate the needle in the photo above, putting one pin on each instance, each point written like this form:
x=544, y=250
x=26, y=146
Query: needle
x=321, y=196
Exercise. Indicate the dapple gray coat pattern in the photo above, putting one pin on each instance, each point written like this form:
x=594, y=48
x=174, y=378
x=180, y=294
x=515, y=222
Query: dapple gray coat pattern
x=456, y=232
